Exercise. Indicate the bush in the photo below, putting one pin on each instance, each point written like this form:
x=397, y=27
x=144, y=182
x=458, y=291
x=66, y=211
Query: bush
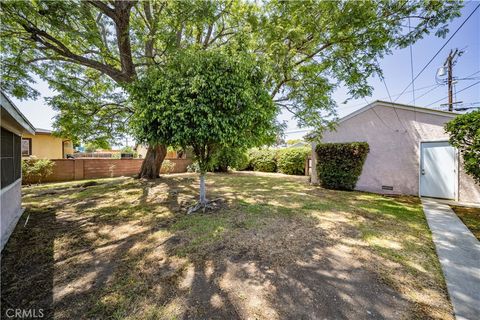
x=292, y=160
x=168, y=166
x=232, y=158
x=464, y=133
x=194, y=167
x=339, y=165
x=263, y=159
x=36, y=170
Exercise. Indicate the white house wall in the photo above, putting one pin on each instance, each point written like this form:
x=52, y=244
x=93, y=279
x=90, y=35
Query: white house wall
x=11, y=199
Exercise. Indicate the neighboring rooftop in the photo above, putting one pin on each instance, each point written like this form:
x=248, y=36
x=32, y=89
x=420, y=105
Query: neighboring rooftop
x=43, y=131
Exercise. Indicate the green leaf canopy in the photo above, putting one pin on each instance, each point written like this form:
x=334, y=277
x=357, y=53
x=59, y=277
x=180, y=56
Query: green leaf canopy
x=204, y=100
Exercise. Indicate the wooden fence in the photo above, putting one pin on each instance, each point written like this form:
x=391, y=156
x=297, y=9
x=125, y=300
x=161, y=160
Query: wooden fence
x=78, y=169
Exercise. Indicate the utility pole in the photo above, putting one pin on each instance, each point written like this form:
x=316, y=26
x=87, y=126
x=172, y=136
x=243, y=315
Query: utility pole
x=449, y=63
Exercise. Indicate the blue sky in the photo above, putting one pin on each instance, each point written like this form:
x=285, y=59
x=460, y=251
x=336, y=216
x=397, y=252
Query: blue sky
x=396, y=69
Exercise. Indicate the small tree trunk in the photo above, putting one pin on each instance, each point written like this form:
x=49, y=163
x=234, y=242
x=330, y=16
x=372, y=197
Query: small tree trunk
x=203, y=190
x=153, y=162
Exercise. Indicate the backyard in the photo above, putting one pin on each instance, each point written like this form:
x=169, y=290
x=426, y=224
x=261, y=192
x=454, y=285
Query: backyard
x=276, y=247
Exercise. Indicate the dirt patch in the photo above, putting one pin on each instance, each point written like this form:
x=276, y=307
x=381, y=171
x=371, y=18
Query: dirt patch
x=277, y=249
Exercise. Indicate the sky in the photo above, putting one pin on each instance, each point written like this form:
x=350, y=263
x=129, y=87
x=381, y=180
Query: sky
x=396, y=69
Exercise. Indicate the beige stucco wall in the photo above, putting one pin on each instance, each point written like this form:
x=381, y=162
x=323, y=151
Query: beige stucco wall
x=46, y=146
x=394, y=141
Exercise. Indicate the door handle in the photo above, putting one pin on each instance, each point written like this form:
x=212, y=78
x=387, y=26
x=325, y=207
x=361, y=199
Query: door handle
x=423, y=172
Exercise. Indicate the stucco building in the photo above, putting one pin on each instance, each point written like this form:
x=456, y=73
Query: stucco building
x=409, y=152
x=13, y=124
x=44, y=145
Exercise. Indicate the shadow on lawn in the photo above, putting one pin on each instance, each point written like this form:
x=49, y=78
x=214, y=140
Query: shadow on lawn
x=140, y=256
x=27, y=265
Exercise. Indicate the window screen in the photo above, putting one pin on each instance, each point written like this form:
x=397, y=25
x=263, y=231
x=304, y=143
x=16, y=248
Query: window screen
x=10, y=157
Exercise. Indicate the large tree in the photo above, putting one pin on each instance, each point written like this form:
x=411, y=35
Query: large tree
x=310, y=47
x=205, y=100
x=89, y=50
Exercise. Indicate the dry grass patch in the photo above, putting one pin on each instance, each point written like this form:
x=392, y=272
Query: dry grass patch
x=279, y=248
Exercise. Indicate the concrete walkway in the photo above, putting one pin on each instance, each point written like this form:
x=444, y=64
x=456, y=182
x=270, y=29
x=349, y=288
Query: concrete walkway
x=459, y=254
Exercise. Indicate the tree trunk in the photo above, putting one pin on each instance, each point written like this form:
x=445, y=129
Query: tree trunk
x=203, y=190
x=153, y=162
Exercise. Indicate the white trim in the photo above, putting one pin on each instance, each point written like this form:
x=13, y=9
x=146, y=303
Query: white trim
x=398, y=106
x=456, y=167
x=10, y=186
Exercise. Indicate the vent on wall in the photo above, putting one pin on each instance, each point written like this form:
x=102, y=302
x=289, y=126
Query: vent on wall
x=387, y=187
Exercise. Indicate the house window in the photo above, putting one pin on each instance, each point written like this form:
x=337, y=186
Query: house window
x=26, y=146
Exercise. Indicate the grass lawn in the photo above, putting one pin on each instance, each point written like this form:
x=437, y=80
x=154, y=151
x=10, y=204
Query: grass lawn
x=471, y=218
x=276, y=248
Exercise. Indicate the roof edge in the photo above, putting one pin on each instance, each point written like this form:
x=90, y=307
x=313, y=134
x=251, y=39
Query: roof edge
x=399, y=106
x=12, y=109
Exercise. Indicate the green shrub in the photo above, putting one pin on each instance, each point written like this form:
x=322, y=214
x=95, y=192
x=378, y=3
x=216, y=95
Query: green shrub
x=168, y=166
x=464, y=133
x=263, y=159
x=292, y=160
x=339, y=165
x=36, y=170
x=232, y=158
x=194, y=167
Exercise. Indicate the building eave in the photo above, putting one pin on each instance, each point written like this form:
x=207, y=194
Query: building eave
x=13, y=111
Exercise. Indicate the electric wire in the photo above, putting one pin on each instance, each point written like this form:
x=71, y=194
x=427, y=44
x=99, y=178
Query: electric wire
x=457, y=92
x=438, y=52
x=411, y=65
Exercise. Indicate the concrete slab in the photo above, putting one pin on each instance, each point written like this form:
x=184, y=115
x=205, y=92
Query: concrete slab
x=459, y=254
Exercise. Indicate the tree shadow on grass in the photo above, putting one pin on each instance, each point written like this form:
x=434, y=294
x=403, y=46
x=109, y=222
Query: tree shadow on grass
x=140, y=256
x=27, y=265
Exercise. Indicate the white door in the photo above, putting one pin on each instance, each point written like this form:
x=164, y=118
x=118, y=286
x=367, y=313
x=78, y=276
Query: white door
x=438, y=176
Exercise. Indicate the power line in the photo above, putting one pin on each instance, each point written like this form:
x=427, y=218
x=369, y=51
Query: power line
x=468, y=77
x=438, y=85
x=439, y=50
x=411, y=64
x=394, y=109
x=383, y=98
x=388, y=91
x=457, y=92
x=423, y=95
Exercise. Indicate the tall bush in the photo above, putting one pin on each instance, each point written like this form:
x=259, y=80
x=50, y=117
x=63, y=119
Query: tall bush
x=339, y=165
x=464, y=133
x=168, y=166
x=36, y=170
x=292, y=160
x=233, y=158
x=263, y=159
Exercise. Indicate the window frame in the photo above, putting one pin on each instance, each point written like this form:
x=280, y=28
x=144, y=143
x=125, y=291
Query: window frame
x=29, y=147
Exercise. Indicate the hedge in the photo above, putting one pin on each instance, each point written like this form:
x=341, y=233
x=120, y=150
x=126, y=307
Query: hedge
x=339, y=165
x=292, y=160
x=230, y=158
x=263, y=160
